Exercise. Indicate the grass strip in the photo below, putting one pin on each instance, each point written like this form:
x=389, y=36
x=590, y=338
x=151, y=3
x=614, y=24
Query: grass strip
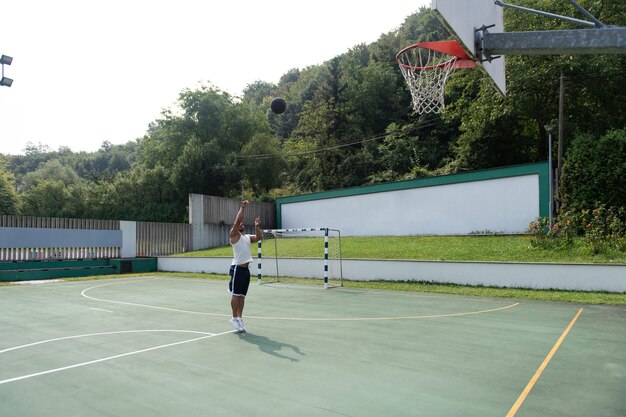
x=497, y=248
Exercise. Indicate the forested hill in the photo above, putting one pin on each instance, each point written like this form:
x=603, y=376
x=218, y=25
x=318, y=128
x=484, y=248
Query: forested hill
x=348, y=122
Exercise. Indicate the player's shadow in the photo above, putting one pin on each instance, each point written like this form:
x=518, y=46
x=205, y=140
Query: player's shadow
x=271, y=347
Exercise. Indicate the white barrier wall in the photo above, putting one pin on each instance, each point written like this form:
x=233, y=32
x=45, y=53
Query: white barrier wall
x=578, y=277
x=505, y=200
x=129, y=239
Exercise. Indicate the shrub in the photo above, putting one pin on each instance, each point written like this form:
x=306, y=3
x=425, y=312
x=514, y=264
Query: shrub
x=601, y=229
x=594, y=170
x=542, y=234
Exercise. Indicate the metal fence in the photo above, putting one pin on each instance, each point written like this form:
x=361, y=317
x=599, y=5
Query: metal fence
x=58, y=223
x=152, y=239
x=57, y=253
x=71, y=252
x=222, y=211
x=160, y=239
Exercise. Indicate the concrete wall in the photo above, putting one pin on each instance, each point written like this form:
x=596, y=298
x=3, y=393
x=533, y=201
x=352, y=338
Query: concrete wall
x=580, y=277
x=30, y=237
x=503, y=200
x=129, y=239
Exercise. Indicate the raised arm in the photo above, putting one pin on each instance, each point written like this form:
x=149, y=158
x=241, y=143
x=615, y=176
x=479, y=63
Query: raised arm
x=235, y=231
x=257, y=230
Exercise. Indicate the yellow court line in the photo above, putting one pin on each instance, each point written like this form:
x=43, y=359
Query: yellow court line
x=543, y=366
x=429, y=316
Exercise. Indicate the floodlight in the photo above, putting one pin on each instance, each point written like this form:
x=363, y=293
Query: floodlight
x=6, y=82
x=6, y=60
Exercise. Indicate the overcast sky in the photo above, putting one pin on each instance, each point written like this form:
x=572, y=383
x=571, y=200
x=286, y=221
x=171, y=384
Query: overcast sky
x=91, y=71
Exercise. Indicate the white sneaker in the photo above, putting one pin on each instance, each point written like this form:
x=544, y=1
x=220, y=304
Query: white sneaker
x=240, y=320
x=235, y=322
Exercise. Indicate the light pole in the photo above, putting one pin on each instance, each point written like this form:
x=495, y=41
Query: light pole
x=549, y=129
x=5, y=81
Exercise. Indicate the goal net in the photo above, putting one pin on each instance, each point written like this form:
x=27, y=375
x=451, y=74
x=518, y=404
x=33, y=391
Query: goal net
x=300, y=253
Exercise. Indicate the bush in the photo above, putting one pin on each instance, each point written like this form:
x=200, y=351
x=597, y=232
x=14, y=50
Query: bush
x=601, y=229
x=595, y=170
x=544, y=235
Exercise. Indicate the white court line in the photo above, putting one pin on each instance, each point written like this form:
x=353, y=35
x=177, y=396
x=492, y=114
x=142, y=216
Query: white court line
x=102, y=334
x=84, y=294
x=417, y=317
x=19, y=378
x=100, y=309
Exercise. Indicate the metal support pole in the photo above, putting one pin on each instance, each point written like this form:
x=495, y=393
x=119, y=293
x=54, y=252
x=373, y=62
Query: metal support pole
x=549, y=129
x=559, y=151
x=547, y=14
x=556, y=42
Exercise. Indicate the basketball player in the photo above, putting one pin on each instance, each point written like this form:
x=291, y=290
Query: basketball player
x=239, y=271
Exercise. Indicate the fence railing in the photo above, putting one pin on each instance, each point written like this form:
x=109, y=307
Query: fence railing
x=152, y=238
x=58, y=223
x=41, y=254
x=160, y=239
x=221, y=210
x=27, y=252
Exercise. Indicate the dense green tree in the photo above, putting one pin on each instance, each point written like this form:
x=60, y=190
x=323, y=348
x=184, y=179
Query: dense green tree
x=54, y=190
x=201, y=168
x=51, y=170
x=318, y=125
x=51, y=197
x=9, y=199
x=101, y=165
x=258, y=93
x=34, y=155
x=373, y=98
x=595, y=171
x=262, y=162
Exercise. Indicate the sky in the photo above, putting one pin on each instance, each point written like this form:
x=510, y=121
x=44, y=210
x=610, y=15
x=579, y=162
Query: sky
x=86, y=72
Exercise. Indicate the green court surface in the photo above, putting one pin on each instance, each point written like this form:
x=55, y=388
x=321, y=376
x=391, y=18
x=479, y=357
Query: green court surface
x=162, y=346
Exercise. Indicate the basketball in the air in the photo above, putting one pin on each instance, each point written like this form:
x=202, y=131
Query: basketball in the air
x=278, y=105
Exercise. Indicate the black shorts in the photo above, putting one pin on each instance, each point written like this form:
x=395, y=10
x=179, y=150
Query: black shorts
x=239, y=280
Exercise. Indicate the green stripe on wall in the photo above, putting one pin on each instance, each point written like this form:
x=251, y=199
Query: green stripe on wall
x=540, y=169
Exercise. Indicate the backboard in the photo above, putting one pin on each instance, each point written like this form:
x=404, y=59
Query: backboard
x=462, y=18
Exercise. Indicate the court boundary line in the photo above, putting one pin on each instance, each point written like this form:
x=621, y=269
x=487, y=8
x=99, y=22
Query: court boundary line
x=253, y=317
x=108, y=358
x=520, y=400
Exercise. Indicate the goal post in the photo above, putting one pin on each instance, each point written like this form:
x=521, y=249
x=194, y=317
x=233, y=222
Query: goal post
x=300, y=253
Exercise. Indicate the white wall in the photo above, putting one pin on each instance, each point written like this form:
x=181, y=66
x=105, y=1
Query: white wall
x=199, y=231
x=581, y=277
x=129, y=239
x=504, y=205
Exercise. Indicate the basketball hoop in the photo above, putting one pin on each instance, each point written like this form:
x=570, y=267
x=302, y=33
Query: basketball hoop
x=426, y=67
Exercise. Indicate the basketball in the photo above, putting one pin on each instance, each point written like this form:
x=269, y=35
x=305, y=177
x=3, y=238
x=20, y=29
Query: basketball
x=278, y=105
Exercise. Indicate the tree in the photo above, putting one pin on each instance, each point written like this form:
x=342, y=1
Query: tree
x=262, y=163
x=258, y=92
x=50, y=197
x=201, y=168
x=594, y=171
x=318, y=126
x=9, y=199
x=197, y=149
x=54, y=190
x=54, y=170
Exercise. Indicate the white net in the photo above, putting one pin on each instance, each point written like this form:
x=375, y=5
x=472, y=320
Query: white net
x=425, y=72
x=300, y=253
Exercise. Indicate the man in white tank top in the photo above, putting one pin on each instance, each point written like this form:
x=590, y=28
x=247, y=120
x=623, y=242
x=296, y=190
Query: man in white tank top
x=239, y=272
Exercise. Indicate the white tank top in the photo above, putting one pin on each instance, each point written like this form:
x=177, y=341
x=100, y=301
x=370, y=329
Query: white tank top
x=241, y=250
